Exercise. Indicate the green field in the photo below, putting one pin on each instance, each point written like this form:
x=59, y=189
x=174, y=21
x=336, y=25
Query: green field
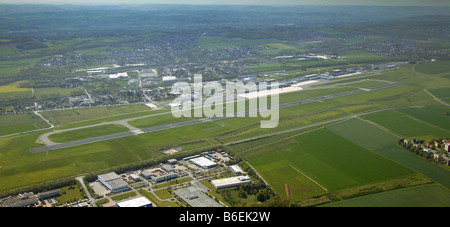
x=87, y=133
x=407, y=126
x=329, y=159
x=433, y=68
x=42, y=93
x=441, y=93
x=15, y=123
x=91, y=115
x=301, y=159
x=384, y=143
x=420, y=196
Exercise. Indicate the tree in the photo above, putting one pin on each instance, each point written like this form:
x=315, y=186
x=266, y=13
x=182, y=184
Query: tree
x=260, y=197
x=242, y=194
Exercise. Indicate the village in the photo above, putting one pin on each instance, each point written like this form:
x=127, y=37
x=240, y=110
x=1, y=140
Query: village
x=437, y=149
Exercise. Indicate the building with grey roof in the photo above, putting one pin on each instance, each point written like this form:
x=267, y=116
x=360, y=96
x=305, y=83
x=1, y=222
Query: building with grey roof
x=113, y=182
x=167, y=168
x=195, y=198
x=166, y=177
x=146, y=174
x=49, y=194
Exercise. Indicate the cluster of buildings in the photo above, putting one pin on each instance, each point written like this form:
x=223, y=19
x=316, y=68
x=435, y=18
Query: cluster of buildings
x=194, y=193
x=433, y=148
x=165, y=173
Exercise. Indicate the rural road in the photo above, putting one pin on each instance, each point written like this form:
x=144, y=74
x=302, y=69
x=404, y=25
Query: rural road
x=52, y=146
x=92, y=200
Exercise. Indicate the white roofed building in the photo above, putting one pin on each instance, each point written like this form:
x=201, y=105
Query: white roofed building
x=203, y=162
x=236, y=169
x=231, y=182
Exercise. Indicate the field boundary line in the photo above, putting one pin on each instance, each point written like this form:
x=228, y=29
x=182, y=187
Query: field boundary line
x=435, y=98
x=315, y=182
x=259, y=175
x=380, y=127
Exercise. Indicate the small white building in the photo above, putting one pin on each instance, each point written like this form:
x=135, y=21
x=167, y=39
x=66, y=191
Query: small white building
x=172, y=161
x=236, y=169
x=231, y=182
x=135, y=177
x=169, y=78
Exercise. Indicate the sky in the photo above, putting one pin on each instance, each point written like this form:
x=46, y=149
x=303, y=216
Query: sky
x=247, y=2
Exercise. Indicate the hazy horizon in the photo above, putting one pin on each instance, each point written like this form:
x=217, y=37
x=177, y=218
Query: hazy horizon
x=241, y=2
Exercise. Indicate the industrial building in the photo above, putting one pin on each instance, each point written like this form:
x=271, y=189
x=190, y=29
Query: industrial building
x=195, y=198
x=167, y=168
x=231, y=182
x=203, y=162
x=135, y=177
x=113, y=182
x=190, y=157
x=147, y=174
x=166, y=177
x=49, y=194
x=136, y=202
x=236, y=169
x=25, y=199
x=172, y=161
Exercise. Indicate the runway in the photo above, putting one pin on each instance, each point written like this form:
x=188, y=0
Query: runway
x=54, y=146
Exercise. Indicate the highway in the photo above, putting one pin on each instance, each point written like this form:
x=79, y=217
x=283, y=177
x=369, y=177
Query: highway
x=134, y=131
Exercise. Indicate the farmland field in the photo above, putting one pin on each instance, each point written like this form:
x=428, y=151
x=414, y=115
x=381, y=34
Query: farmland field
x=41, y=93
x=16, y=123
x=420, y=196
x=441, y=93
x=14, y=87
x=336, y=164
x=407, y=126
x=384, y=143
x=433, y=67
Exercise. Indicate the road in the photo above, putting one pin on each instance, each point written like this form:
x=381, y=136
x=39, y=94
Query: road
x=52, y=146
x=92, y=200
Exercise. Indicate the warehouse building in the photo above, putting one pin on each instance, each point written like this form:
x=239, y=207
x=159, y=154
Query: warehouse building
x=113, y=182
x=49, y=194
x=195, y=198
x=147, y=174
x=203, y=162
x=231, y=182
x=172, y=161
x=167, y=168
x=136, y=202
x=166, y=177
x=135, y=177
x=236, y=169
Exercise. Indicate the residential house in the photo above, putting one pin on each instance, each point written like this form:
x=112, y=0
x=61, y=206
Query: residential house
x=436, y=144
x=438, y=157
x=447, y=147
